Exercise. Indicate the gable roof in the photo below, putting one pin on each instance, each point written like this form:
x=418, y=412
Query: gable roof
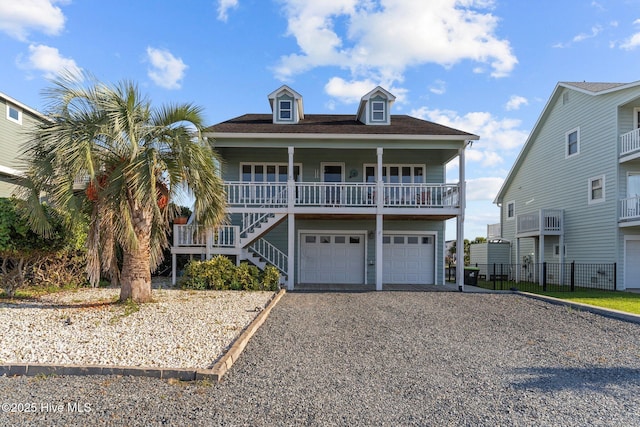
x=589, y=88
x=336, y=125
x=597, y=88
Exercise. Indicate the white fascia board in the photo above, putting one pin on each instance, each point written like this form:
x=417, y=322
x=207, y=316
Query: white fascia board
x=338, y=136
x=24, y=107
x=5, y=170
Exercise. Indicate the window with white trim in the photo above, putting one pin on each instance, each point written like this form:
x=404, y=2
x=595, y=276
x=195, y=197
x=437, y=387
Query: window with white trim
x=285, y=109
x=596, y=189
x=268, y=172
x=511, y=210
x=572, y=142
x=396, y=174
x=14, y=114
x=378, y=111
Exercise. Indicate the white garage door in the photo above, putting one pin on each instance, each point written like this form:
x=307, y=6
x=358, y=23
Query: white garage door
x=631, y=265
x=332, y=258
x=408, y=259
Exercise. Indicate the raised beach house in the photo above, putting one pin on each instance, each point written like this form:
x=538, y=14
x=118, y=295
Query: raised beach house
x=573, y=193
x=336, y=199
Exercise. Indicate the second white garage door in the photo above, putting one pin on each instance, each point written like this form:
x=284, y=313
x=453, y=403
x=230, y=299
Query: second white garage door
x=408, y=259
x=332, y=258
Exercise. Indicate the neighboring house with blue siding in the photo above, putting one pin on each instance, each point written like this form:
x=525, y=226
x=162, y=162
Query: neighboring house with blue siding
x=16, y=122
x=336, y=199
x=573, y=193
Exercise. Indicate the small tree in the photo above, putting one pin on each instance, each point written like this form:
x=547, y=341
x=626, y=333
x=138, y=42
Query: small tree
x=137, y=159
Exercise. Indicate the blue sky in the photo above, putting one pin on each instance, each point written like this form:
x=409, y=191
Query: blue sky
x=482, y=66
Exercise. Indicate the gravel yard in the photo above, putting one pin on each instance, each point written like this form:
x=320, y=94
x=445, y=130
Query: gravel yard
x=180, y=329
x=386, y=358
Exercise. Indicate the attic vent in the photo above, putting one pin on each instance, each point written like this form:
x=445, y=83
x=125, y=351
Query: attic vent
x=565, y=98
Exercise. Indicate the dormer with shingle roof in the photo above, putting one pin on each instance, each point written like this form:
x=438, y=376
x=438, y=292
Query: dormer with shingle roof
x=286, y=105
x=375, y=107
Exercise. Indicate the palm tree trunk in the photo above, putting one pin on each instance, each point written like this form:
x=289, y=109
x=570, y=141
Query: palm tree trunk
x=135, y=278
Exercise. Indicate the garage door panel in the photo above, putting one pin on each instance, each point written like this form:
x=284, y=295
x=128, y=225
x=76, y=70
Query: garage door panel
x=631, y=265
x=332, y=258
x=408, y=259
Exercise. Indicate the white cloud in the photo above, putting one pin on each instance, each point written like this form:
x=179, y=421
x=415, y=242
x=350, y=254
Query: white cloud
x=223, y=8
x=19, y=18
x=633, y=41
x=498, y=135
x=439, y=87
x=167, y=71
x=352, y=91
x=483, y=188
x=49, y=60
x=515, y=102
x=595, y=30
x=385, y=37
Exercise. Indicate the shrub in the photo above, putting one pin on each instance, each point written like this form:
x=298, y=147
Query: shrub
x=219, y=273
x=28, y=259
x=271, y=278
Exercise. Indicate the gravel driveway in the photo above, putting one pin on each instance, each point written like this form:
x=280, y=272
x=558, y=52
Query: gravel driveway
x=389, y=358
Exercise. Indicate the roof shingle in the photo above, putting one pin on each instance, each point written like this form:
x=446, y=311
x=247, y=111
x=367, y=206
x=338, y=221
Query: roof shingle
x=334, y=124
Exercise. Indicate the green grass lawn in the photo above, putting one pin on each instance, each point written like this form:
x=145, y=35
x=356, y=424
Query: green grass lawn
x=624, y=301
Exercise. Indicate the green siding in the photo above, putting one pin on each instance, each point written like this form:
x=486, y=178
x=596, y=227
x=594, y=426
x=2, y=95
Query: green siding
x=546, y=179
x=312, y=159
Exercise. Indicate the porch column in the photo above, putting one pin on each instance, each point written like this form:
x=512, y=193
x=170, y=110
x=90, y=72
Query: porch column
x=291, y=184
x=517, y=260
x=291, y=253
x=291, y=223
x=460, y=221
x=379, y=220
x=540, y=258
x=561, y=249
x=379, y=260
x=174, y=265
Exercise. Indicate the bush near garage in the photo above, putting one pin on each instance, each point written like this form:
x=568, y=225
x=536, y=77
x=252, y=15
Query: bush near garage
x=219, y=273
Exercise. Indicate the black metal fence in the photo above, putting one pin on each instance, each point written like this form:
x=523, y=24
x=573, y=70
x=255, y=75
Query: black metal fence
x=545, y=277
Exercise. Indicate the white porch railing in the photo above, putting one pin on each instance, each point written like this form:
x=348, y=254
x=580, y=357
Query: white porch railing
x=630, y=142
x=225, y=236
x=263, y=194
x=355, y=194
x=342, y=194
x=420, y=195
x=544, y=221
x=494, y=231
x=270, y=253
x=630, y=208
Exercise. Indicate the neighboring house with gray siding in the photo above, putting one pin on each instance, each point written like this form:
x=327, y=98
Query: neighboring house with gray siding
x=16, y=121
x=573, y=193
x=336, y=199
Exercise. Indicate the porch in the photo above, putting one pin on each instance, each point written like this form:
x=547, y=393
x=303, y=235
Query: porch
x=630, y=145
x=630, y=210
x=336, y=197
x=540, y=223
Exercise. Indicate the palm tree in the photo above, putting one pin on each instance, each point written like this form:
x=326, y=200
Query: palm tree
x=137, y=160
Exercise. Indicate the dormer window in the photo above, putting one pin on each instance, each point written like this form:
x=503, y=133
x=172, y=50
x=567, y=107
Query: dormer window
x=285, y=109
x=375, y=107
x=377, y=113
